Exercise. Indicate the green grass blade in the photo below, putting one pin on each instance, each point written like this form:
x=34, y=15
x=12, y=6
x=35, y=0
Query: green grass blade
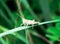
x=3, y=15
x=7, y=9
x=2, y=41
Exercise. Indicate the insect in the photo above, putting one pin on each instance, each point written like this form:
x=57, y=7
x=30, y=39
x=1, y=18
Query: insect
x=29, y=22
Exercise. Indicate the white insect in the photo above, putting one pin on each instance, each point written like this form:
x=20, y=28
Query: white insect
x=29, y=22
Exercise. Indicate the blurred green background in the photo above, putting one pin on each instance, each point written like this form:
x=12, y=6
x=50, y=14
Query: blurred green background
x=38, y=10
